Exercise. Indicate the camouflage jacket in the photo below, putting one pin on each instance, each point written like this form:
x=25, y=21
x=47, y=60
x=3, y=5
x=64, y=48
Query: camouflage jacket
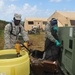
x=48, y=32
x=10, y=39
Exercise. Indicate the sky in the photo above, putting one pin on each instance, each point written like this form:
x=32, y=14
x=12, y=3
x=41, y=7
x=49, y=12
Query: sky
x=33, y=8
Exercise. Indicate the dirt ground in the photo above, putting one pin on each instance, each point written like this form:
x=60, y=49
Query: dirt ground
x=38, y=41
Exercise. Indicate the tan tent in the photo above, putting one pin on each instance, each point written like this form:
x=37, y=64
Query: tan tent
x=64, y=18
x=30, y=22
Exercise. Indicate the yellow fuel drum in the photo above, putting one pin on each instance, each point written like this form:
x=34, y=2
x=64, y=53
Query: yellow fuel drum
x=12, y=65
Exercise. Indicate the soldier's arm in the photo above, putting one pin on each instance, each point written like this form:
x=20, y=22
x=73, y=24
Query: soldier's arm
x=7, y=36
x=48, y=33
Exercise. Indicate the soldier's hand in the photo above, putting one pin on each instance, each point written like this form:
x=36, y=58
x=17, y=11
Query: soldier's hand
x=18, y=41
x=57, y=43
x=29, y=43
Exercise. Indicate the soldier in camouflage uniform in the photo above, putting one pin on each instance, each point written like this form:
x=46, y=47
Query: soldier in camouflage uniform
x=11, y=32
x=52, y=41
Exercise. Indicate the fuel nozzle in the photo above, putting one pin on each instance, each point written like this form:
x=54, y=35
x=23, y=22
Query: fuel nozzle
x=18, y=48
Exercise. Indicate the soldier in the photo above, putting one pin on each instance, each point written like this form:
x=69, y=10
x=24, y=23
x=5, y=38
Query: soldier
x=38, y=28
x=11, y=32
x=52, y=42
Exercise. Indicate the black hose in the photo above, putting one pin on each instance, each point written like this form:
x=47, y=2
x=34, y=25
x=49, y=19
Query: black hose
x=29, y=50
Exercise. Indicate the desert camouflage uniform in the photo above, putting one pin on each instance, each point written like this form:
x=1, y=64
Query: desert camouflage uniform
x=10, y=39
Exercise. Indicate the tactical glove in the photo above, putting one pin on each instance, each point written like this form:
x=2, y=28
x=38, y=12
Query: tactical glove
x=57, y=43
x=55, y=28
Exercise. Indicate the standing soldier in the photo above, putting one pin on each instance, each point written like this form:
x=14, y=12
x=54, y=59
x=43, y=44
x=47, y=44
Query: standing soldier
x=38, y=28
x=11, y=32
x=52, y=42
